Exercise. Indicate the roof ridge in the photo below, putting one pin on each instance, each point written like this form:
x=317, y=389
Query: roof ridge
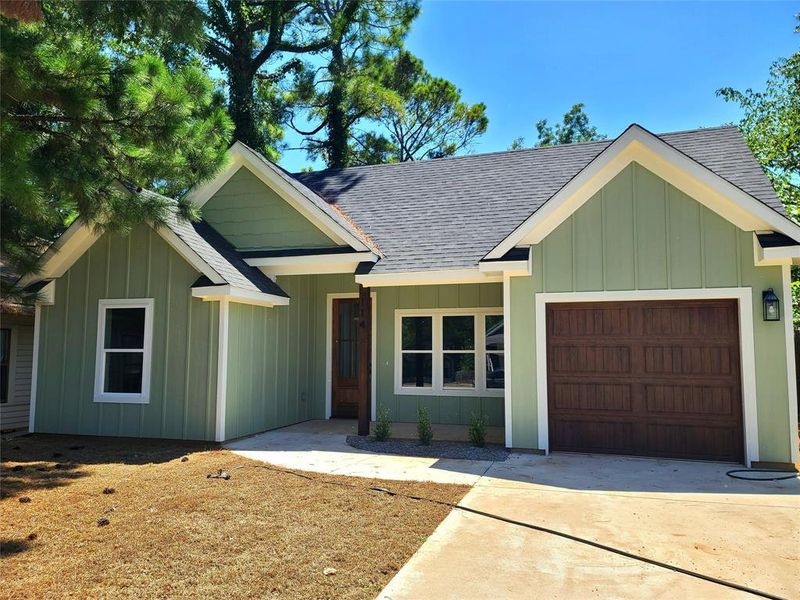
x=499, y=152
x=451, y=158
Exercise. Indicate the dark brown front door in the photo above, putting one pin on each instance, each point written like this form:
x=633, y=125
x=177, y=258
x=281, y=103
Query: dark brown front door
x=645, y=378
x=344, y=364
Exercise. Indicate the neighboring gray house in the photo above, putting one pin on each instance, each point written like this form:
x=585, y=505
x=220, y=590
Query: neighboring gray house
x=16, y=362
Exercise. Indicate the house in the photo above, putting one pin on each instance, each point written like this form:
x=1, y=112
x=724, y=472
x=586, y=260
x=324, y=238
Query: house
x=16, y=358
x=629, y=296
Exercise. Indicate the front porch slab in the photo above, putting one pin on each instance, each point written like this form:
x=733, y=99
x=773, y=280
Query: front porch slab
x=321, y=446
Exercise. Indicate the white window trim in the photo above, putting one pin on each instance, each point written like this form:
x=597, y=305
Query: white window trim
x=144, y=396
x=437, y=387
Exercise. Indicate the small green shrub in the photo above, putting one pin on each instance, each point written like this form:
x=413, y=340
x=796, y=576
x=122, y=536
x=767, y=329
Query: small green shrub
x=383, y=426
x=477, y=430
x=424, y=431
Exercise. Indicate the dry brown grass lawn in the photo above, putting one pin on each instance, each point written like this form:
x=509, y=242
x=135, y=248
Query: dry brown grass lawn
x=175, y=533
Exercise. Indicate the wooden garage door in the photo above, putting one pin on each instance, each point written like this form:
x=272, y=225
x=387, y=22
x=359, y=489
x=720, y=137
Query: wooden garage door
x=645, y=378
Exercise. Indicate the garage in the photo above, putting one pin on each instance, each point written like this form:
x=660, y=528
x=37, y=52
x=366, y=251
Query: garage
x=657, y=378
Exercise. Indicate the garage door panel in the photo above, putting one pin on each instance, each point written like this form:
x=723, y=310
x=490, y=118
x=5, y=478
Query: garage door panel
x=662, y=376
x=678, y=359
x=592, y=396
x=603, y=436
x=692, y=400
x=582, y=321
x=590, y=359
x=687, y=441
x=692, y=320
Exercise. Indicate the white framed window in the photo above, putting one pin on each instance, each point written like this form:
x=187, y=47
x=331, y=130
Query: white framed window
x=124, y=350
x=449, y=352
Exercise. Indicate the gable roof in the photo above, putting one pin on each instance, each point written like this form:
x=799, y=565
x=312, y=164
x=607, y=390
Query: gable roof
x=325, y=215
x=450, y=213
x=198, y=243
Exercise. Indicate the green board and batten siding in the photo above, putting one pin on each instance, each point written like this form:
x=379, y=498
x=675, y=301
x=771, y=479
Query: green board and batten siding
x=441, y=409
x=184, y=357
x=277, y=363
x=641, y=233
x=254, y=217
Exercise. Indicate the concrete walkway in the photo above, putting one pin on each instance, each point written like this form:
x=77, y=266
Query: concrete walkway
x=688, y=514
x=320, y=446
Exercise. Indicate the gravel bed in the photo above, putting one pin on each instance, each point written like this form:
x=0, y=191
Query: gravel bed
x=436, y=449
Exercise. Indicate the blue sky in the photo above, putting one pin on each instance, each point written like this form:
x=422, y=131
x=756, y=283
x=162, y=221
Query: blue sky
x=657, y=64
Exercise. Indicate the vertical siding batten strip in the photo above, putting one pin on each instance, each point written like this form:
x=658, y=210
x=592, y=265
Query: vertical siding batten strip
x=37, y=332
x=167, y=306
x=222, y=369
x=65, y=328
x=186, y=390
x=791, y=367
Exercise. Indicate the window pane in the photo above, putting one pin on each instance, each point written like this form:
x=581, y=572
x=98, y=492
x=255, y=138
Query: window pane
x=458, y=333
x=124, y=328
x=347, y=354
x=123, y=372
x=417, y=369
x=459, y=370
x=494, y=332
x=417, y=333
x=495, y=371
x=5, y=358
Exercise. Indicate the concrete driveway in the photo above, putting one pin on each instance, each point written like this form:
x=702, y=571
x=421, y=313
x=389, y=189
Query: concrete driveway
x=688, y=514
x=683, y=513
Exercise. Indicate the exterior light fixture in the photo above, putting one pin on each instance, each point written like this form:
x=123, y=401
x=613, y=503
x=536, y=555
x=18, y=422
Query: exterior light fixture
x=772, y=306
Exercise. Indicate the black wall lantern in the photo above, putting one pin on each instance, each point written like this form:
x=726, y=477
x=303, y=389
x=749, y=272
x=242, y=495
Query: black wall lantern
x=772, y=306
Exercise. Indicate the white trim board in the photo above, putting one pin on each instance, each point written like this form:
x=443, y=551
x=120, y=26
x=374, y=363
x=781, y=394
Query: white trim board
x=103, y=306
x=215, y=293
x=222, y=370
x=744, y=296
x=37, y=332
x=507, y=402
x=786, y=275
x=637, y=144
x=437, y=277
x=297, y=195
x=329, y=351
x=311, y=264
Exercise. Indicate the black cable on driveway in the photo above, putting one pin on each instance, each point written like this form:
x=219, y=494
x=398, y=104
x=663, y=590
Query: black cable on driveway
x=555, y=532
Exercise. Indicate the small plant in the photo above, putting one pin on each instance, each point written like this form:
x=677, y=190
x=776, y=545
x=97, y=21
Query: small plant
x=424, y=431
x=477, y=430
x=383, y=426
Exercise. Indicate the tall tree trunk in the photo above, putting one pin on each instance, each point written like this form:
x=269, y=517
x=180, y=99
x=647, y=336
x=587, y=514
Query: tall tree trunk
x=241, y=107
x=338, y=150
x=241, y=77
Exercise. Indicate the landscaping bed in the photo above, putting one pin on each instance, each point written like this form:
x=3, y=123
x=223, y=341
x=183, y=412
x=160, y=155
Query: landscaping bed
x=436, y=449
x=132, y=518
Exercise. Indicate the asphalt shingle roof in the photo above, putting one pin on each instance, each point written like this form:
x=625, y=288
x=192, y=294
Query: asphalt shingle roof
x=448, y=213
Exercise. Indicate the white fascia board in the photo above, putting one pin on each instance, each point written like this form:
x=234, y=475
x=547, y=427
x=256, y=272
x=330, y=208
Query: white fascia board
x=311, y=264
x=47, y=295
x=638, y=145
x=780, y=255
x=512, y=268
x=189, y=255
x=241, y=156
x=230, y=293
x=441, y=277
x=64, y=252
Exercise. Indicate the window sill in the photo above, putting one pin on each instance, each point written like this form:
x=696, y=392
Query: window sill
x=457, y=392
x=122, y=399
